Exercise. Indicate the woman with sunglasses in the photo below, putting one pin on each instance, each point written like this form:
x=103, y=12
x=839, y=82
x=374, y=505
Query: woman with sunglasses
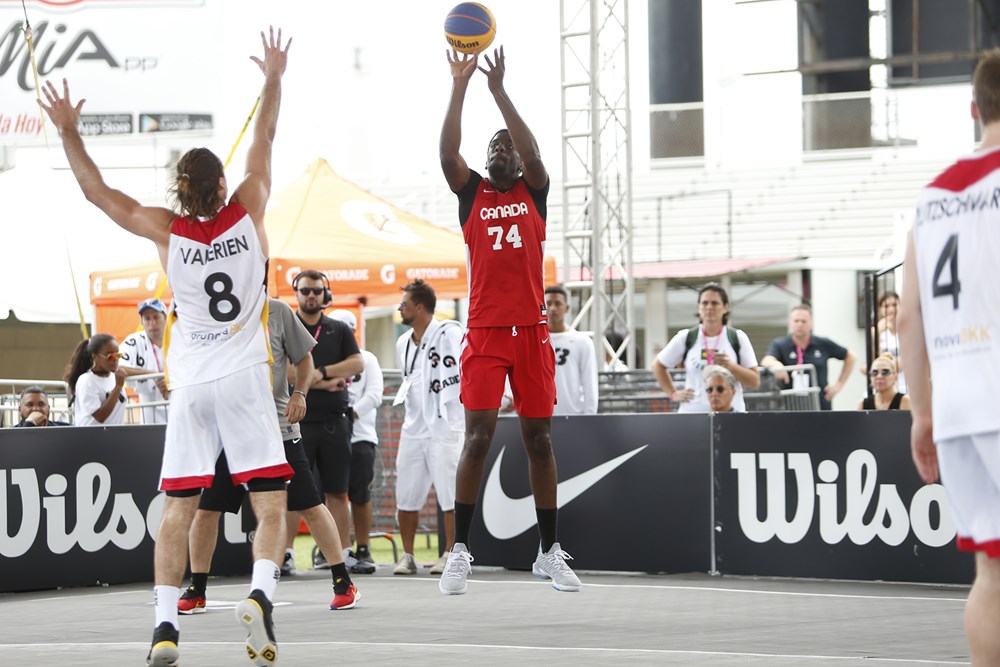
x=720, y=389
x=95, y=382
x=885, y=395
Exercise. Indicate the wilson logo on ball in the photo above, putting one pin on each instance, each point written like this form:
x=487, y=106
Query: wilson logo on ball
x=470, y=27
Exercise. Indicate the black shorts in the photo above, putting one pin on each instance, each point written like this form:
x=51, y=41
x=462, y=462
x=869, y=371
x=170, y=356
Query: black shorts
x=328, y=449
x=362, y=472
x=224, y=496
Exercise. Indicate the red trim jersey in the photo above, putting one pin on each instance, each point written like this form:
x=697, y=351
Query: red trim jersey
x=217, y=271
x=505, y=243
x=956, y=239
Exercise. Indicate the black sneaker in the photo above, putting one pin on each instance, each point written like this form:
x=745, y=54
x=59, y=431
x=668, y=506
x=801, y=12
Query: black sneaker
x=163, y=652
x=319, y=560
x=255, y=614
x=288, y=565
x=363, y=563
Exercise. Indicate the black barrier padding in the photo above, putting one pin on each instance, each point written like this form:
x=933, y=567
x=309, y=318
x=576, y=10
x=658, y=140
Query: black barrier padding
x=885, y=523
x=76, y=506
x=649, y=514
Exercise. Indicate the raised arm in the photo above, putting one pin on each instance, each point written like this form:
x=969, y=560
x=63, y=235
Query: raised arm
x=149, y=222
x=532, y=167
x=255, y=189
x=456, y=170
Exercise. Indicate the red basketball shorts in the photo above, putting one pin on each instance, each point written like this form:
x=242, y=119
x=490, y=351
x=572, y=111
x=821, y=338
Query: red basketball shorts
x=525, y=354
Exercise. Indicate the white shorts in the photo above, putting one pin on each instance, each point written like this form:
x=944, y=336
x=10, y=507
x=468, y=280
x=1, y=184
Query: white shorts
x=235, y=413
x=970, y=472
x=421, y=462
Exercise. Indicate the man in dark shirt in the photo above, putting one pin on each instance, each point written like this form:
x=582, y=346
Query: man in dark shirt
x=801, y=347
x=34, y=408
x=326, y=428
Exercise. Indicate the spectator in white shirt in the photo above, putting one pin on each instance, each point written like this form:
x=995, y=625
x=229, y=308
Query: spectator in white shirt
x=96, y=382
x=576, y=359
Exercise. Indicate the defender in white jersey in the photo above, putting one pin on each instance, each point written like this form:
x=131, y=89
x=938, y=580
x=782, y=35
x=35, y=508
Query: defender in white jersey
x=576, y=359
x=949, y=327
x=214, y=254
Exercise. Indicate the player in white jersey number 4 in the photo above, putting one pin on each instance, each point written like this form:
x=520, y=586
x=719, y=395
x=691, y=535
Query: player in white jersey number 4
x=214, y=254
x=949, y=329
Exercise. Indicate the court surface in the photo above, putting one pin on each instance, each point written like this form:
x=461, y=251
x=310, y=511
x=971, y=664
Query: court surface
x=511, y=618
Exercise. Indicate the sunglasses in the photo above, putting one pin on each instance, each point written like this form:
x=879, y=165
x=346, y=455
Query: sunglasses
x=720, y=390
x=875, y=372
x=111, y=356
x=306, y=291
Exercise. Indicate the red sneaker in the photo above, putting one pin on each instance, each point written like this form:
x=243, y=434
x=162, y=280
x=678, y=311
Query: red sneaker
x=192, y=602
x=346, y=598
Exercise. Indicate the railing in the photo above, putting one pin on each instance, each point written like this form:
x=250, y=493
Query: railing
x=59, y=407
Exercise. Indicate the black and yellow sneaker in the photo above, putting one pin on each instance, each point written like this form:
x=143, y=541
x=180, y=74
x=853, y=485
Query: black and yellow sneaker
x=255, y=614
x=163, y=652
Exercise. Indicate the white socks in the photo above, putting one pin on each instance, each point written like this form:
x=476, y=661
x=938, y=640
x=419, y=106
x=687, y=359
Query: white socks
x=265, y=577
x=165, y=603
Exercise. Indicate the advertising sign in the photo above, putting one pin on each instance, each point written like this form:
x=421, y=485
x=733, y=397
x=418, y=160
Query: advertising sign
x=110, y=57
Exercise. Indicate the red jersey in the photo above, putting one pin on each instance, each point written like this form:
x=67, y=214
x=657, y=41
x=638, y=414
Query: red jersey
x=505, y=242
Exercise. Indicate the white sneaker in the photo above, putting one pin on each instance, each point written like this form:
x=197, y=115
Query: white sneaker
x=288, y=564
x=406, y=565
x=456, y=571
x=438, y=566
x=552, y=565
x=349, y=559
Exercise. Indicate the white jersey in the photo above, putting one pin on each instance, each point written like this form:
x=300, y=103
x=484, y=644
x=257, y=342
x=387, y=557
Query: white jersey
x=576, y=373
x=698, y=358
x=217, y=271
x=365, y=393
x=89, y=395
x=956, y=237
x=140, y=352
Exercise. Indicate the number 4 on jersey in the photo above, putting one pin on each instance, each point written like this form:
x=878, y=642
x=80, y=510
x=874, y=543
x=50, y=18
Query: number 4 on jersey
x=949, y=256
x=513, y=236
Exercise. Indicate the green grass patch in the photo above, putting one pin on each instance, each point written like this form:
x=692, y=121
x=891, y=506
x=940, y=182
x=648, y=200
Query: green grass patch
x=425, y=549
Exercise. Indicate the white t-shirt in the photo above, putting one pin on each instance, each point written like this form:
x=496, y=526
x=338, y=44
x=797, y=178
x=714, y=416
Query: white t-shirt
x=91, y=391
x=697, y=360
x=408, y=357
x=576, y=373
x=956, y=238
x=140, y=352
x=365, y=393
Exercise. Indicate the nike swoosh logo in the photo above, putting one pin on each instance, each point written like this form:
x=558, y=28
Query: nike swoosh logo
x=544, y=341
x=507, y=517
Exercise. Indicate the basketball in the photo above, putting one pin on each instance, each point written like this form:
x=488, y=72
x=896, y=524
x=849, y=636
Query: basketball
x=470, y=27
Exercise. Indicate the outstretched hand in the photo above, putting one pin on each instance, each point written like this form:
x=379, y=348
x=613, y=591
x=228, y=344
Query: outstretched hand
x=462, y=67
x=494, y=75
x=61, y=110
x=275, y=58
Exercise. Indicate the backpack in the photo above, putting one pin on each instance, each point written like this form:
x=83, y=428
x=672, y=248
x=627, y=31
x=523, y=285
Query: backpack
x=731, y=334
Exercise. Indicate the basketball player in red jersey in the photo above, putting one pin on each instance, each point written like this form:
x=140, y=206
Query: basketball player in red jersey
x=503, y=222
x=215, y=257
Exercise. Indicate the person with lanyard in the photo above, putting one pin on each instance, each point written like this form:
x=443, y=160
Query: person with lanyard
x=326, y=428
x=800, y=346
x=142, y=353
x=713, y=342
x=430, y=440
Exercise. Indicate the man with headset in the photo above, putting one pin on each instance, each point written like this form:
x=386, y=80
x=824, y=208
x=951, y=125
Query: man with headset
x=326, y=428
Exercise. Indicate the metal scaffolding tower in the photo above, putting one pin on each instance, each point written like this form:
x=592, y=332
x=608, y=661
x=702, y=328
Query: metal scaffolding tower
x=597, y=169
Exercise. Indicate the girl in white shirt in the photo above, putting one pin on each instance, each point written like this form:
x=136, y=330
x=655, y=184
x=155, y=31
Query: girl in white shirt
x=97, y=383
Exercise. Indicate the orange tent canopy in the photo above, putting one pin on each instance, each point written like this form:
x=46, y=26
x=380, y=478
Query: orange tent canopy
x=366, y=247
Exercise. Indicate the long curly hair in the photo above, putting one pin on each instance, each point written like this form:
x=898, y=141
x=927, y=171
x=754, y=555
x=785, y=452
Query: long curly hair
x=195, y=191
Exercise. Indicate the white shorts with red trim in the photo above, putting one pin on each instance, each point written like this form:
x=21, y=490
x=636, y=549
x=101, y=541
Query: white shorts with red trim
x=235, y=413
x=970, y=472
x=421, y=462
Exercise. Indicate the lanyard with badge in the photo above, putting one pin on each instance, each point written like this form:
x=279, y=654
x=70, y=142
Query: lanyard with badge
x=405, y=387
x=800, y=379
